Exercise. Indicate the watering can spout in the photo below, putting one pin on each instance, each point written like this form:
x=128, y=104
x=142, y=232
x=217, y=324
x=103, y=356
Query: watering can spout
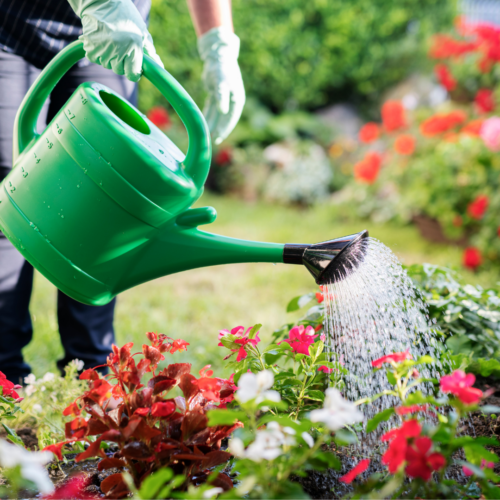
x=329, y=261
x=181, y=248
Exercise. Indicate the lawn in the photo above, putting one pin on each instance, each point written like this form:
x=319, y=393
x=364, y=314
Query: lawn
x=195, y=305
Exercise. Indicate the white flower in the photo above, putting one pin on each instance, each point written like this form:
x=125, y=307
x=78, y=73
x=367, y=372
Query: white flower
x=308, y=439
x=79, y=364
x=236, y=447
x=267, y=445
x=32, y=464
x=48, y=377
x=37, y=408
x=30, y=390
x=212, y=492
x=30, y=379
x=251, y=386
x=336, y=412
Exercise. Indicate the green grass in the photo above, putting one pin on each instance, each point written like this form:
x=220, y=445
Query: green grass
x=195, y=305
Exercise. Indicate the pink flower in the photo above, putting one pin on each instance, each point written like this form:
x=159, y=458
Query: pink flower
x=490, y=133
x=484, y=463
x=322, y=337
x=300, y=339
x=243, y=340
x=325, y=369
x=397, y=357
x=460, y=384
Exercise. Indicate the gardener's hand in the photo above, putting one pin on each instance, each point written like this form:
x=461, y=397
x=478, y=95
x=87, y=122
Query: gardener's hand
x=219, y=49
x=115, y=35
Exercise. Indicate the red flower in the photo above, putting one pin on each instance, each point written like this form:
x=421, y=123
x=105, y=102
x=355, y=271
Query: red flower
x=438, y=124
x=162, y=409
x=319, y=297
x=396, y=452
x=405, y=410
x=409, y=429
x=405, y=145
x=159, y=116
x=478, y=207
x=354, y=473
x=143, y=412
x=369, y=132
x=56, y=449
x=472, y=258
x=421, y=463
x=367, y=170
x=325, y=369
x=179, y=345
x=72, y=409
x=224, y=157
x=445, y=77
x=393, y=116
x=473, y=127
x=210, y=387
x=460, y=384
x=396, y=357
x=300, y=339
x=8, y=388
x=444, y=47
x=484, y=100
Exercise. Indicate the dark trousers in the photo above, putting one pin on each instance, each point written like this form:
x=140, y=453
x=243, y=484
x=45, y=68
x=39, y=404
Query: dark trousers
x=86, y=331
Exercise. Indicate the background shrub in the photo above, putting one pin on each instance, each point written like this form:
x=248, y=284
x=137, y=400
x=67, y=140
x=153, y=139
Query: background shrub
x=306, y=54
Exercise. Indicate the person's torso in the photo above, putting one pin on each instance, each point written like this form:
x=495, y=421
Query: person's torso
x=37, y=29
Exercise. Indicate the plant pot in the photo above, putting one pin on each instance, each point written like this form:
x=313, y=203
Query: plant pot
x=431, y=230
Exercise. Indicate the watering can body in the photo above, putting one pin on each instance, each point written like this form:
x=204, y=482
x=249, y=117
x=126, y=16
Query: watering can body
x=99, y=202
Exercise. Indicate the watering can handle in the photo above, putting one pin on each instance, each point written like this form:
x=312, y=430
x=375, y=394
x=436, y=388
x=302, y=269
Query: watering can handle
x=197, y=161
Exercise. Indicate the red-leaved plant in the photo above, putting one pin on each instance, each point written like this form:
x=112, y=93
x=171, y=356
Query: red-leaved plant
x=150, y=429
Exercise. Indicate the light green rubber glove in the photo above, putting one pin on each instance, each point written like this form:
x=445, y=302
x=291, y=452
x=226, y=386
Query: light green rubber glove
x=115, y=35
x=219, y=49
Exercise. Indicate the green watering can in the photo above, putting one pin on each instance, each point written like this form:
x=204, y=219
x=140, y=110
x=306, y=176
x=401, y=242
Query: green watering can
x=100, y=201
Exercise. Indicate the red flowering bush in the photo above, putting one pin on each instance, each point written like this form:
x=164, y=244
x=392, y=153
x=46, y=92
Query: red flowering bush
x=151, y=429
x=467, y=62
x=422, y=446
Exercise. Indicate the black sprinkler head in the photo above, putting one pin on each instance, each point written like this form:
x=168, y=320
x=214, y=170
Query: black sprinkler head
x=329, y=261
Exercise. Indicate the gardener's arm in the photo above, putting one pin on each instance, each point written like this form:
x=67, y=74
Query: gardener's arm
x=219, y=48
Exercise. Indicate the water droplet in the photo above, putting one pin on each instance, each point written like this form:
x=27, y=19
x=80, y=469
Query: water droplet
x=62, y=216
x=48, y=206
x=162, y=152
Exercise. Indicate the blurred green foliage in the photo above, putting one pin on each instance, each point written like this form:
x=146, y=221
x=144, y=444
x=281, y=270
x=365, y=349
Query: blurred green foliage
x=305, y=53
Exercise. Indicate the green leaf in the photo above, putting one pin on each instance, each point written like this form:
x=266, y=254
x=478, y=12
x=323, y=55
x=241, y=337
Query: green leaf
x=315, y=395
x=299, y=302
x=345, y=437
x=254, y=331
x=383, y=416
x=224, y=417
x=316, y=349
x=12, y=436
x=152, y=484
x=391, y=378
x=475, y=452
